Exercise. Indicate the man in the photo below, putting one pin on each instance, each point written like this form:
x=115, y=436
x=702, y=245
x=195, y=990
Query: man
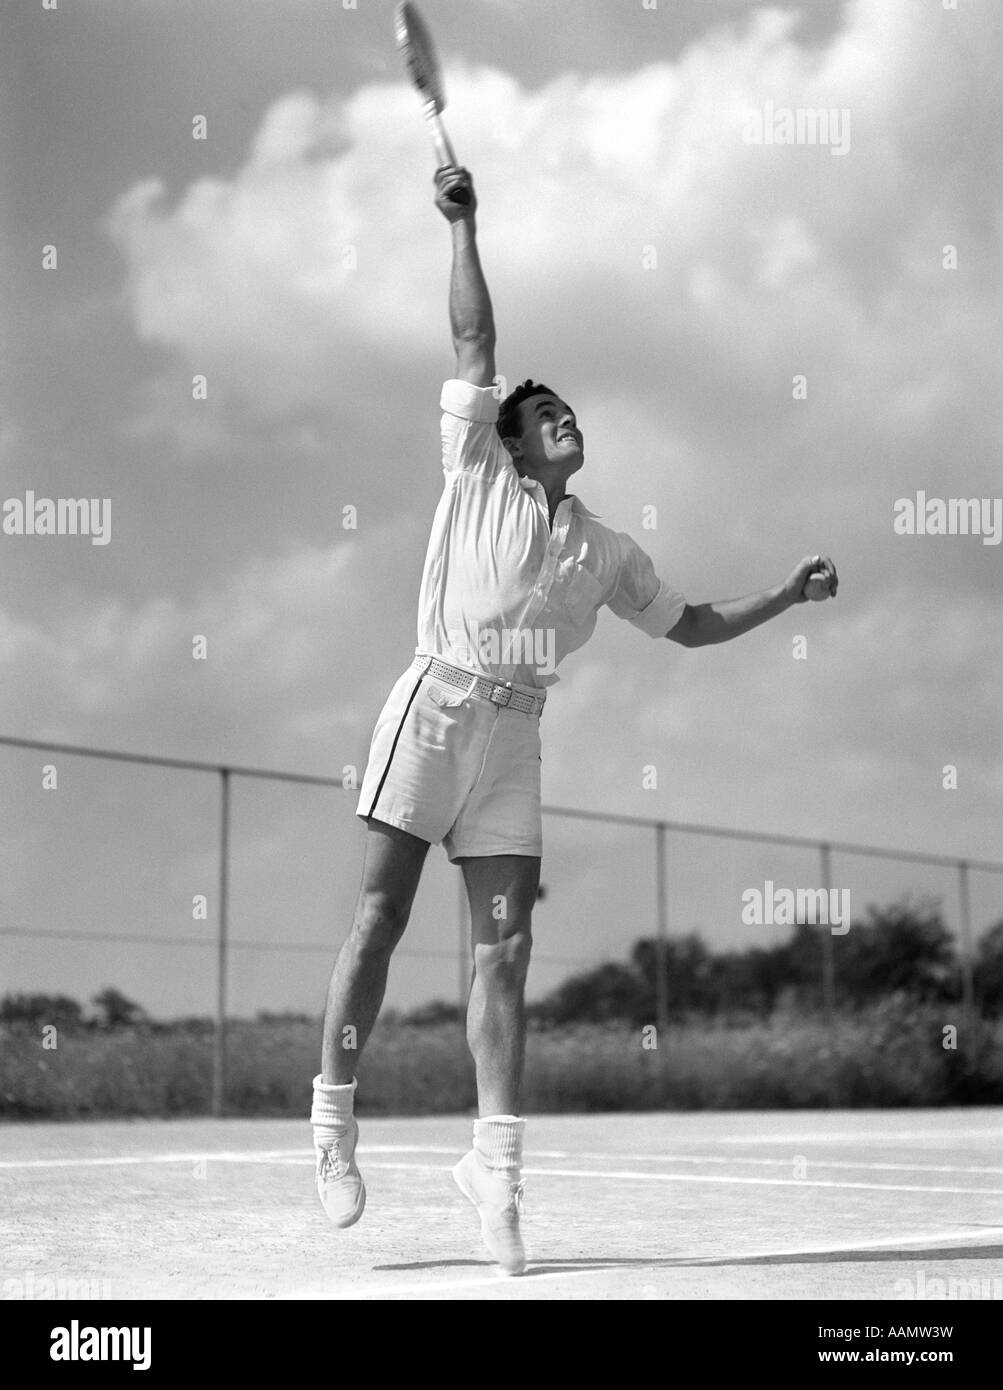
x=515, y=572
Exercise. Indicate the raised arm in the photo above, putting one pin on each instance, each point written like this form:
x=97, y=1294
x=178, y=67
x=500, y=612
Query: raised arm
x=470, y=315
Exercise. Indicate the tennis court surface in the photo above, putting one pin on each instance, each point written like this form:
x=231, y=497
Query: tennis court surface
x=790, y=1205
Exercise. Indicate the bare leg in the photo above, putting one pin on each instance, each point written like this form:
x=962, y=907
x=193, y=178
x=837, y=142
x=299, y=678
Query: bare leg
x=390, y=874
x=502, y=890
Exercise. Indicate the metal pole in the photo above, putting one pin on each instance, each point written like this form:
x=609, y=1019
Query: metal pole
x=219, y=1041
x=462, y=950
x=829, y=976
x=967, y=970
x=828, y=955
x=661, y=934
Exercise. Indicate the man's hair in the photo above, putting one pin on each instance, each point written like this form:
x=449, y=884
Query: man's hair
x=508, y=425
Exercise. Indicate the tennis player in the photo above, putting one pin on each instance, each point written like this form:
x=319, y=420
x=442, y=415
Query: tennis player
x=516, y=570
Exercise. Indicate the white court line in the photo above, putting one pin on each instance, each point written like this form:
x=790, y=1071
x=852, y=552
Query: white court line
x=774, y=1162
x=765, y=1182
x=877, y=1136
x=429, y=1288
x=304, y=1156
x=126, y=1160
x=702, y=1177
x=364, y=1149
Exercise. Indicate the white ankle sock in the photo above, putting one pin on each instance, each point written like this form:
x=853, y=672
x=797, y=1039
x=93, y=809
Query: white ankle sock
x=332, y=1109
x=498, y=1140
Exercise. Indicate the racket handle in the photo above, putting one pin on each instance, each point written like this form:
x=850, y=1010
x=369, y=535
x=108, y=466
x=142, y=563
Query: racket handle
x=445, y=153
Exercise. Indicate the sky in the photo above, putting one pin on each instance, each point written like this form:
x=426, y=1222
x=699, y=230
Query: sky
x=671, y=275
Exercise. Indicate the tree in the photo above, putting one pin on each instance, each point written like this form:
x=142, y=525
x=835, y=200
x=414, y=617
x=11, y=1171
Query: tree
x=902, y=948
x=752, y=981
x=689, y=970
x=40, y=1009
x=988, y=970
x=609, y=991
x=115, y=1010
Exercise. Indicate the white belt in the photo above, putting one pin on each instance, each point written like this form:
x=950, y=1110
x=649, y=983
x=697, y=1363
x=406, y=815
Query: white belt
x=479, y=687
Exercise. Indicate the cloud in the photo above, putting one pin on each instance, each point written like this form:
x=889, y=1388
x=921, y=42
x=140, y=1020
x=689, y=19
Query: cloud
x=744, y=734
x=288, y=666
x=322, y=259
x=672, y=279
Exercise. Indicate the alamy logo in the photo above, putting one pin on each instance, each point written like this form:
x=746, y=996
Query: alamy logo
x=951, y=516
x=515, y=646
x=952, y=1288
x=76, y=1343
x=802, y=125
x=43, y=1286
x=783, y=907
x=58, y=516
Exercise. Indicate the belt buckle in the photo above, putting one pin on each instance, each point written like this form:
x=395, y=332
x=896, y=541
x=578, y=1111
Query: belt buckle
x=500, y=695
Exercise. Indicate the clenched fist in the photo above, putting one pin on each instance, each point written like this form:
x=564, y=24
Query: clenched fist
x=814, y=579
x=447, y=179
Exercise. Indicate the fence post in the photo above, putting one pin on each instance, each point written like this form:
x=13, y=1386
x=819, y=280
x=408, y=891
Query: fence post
x=828, y=956
x=828, y=974
x=219, y=1040
x=967, y=975
x=661, y=935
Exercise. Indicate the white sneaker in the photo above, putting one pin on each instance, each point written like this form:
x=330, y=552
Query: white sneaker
x=339, y=1182
x=498, y=1199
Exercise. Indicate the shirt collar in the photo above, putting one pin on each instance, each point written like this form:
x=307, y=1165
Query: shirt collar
x=577, y=505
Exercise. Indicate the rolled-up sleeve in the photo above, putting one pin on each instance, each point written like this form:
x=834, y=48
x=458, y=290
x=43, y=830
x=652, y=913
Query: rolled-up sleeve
x=470, y=440
x=640, y=596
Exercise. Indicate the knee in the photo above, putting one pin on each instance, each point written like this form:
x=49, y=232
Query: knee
x=379, y=921
x=503, y=965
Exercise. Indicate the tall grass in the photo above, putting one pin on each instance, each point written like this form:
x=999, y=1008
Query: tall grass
x=892, y=1055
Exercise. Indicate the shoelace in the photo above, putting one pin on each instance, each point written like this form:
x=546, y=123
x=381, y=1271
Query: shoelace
x=515, y=1198
x=331, y=1158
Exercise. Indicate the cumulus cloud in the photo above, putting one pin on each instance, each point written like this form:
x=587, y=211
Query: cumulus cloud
x=673, y=278
x=746, y=734
x=319, y=256
x=288, y=669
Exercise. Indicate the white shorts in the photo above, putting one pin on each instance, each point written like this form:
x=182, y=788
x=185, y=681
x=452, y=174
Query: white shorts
x=455, y=769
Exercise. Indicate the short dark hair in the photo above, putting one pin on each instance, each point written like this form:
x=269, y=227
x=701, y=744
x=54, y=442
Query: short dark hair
x=508, y=426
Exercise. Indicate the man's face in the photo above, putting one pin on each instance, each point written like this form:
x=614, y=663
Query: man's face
x=550, y=436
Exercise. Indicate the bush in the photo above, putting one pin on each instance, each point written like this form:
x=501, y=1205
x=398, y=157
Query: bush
x=888, y=1054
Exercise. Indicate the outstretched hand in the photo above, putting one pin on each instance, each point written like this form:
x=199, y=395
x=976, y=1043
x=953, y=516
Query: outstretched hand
x=448, y=178
x=814, y=579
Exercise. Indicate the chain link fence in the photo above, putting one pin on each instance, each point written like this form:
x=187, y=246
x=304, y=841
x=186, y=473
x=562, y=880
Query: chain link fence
x=206, y=889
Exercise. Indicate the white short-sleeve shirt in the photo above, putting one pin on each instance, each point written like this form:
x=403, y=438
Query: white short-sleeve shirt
x=504, y=595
